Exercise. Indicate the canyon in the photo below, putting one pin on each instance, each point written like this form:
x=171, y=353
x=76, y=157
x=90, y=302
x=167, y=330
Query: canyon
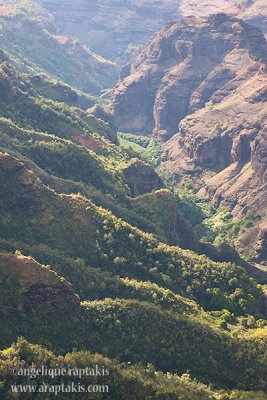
x=117, y=30
x=133, y=229
x=200, y=87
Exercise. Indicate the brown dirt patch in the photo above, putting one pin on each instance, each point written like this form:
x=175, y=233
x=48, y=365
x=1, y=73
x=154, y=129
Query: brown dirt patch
x=231, y=10
x=135, y=201
x=62, y=39
x=91, y=142
x=7, y=10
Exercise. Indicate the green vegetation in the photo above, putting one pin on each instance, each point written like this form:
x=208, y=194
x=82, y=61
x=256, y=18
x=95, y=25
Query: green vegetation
x=66, y=200
x=30, y=111
x=161, y=208
x=211, y=224
x=172, y=341
x=137, y=383
x=78, y=228
x=148, y=149
x=25, y=27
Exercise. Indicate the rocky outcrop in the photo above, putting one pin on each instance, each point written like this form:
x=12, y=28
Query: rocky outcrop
x=161, y=208
x=106, y=116
x=252, y=11
x=183, y=67
x=37, y=287
x=141, y=178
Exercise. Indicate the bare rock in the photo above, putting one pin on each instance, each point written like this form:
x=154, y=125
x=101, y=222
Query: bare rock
x=141, y=178
x=37, y=287
x=186, y=66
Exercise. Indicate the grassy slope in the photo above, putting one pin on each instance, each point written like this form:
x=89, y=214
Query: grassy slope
x=118, y=328
x=136, y=382
x=33, y=214
x=27, y=27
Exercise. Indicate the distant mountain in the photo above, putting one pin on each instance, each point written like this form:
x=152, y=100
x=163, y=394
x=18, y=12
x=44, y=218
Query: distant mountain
x=28, y=35
x=114, y=29
x=117, y=29
x=206, y=80
x=252, y=11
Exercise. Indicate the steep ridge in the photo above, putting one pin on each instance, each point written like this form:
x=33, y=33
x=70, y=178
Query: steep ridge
x=209, y=77
x=32, y=214
x=117, y=29
x=252, y=11
x=87, y=159
x=22, y=102
x=78, y=148
x=26, y=26
x=34, y=301
x=114, y=29
x=81, y=150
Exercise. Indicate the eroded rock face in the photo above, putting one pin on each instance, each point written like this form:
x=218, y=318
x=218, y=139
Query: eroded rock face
x=37, y=287
x=231, y=172
x=253, y=11
x=183, y=67
x=104, y=115
x=141, y=178
x=205, y=81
